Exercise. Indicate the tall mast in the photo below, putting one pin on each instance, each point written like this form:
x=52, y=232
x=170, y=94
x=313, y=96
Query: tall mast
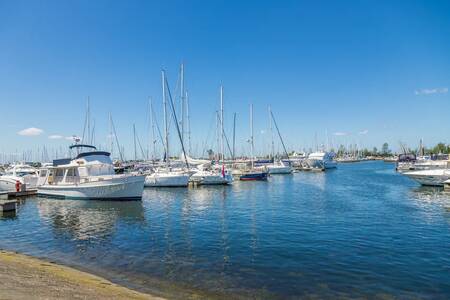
x=251, y=134
x=272, y=145
x=111, y=140
x=182, y=101
x=153, y=129
x=234, y=135
x=188, y=124
x=134, y=137
x=221, y=125
x=166, y=128
x=88, y=123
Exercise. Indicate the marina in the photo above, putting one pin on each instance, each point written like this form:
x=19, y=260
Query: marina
x=224, y=150
x=359, y=230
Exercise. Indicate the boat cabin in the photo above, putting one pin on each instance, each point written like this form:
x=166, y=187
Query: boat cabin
x=85, y=167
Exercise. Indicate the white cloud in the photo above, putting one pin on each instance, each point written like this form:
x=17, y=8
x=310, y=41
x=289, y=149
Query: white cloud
x=431, y=91
x=55, y=137
x=340, y=133
x=363, y=132
x=32, y=131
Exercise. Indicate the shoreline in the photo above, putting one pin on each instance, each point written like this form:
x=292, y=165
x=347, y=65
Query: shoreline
x=22, y=276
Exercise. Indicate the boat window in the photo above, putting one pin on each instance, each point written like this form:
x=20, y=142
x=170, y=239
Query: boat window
x=43, y=173
x=70, y=172
x=59, y=173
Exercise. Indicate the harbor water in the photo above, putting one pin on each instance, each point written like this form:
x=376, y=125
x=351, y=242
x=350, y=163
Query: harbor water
x=361, y=230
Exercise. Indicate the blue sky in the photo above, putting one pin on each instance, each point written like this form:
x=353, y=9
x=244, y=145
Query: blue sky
x=364, y=71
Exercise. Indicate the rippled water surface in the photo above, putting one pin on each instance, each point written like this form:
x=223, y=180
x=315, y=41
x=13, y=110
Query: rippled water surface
x=359, y=231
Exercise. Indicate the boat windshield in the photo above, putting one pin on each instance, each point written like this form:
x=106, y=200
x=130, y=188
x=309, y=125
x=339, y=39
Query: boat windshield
x=21, y=173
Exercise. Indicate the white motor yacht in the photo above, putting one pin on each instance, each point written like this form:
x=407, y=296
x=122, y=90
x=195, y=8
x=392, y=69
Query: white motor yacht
x=321, y=159
x=22, y=173
x=90, y=175
x=433, y=177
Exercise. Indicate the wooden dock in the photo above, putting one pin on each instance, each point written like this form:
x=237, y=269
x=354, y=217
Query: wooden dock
x=15, y=195
x=8, y=205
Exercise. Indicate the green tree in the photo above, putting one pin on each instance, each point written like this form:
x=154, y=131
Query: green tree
x=374, y=151
x=440, y=148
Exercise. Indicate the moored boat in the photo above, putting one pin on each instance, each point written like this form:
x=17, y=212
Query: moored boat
x=20, y=173
x=90, y=175
x=434, y=177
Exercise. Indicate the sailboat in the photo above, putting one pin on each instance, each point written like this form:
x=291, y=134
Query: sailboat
x=277, y=167
x=215, y=176
x=253, y=174
x=166, y=176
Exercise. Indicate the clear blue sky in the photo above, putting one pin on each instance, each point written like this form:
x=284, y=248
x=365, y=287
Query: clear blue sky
x=365, y=71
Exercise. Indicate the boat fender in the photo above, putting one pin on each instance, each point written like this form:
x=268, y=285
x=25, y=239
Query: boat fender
x=17, y=186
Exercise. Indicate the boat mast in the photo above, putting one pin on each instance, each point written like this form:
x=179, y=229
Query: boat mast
x=272, y=145
x=182, y=101
x=251, y=135
x=111, y=134
x=88, y=122
x=221, y=125
x=188, y=124
x=234, y=136
x=279, y=135
x=134, y=137
x=153, y=129
x=166, y=133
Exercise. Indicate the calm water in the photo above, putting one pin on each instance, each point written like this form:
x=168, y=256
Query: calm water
x=359, y=231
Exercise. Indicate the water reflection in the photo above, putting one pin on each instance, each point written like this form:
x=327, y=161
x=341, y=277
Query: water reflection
x=8, y=215
x=88, y=220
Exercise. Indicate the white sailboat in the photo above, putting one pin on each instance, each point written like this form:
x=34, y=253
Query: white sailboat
x=218, y=176
x=90, y=175
x=252, y=174
x=277, y=167
x=167, y=177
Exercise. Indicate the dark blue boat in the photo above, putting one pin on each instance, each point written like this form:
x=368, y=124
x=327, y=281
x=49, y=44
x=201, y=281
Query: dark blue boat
x=253, y=176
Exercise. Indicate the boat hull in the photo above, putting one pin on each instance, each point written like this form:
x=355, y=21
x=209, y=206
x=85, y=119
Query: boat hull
x=8, y=183
x=279, y=170
x=166, y=180
x=429, y=177
x=123, y=188
x=211, y=179
x=260, y=176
